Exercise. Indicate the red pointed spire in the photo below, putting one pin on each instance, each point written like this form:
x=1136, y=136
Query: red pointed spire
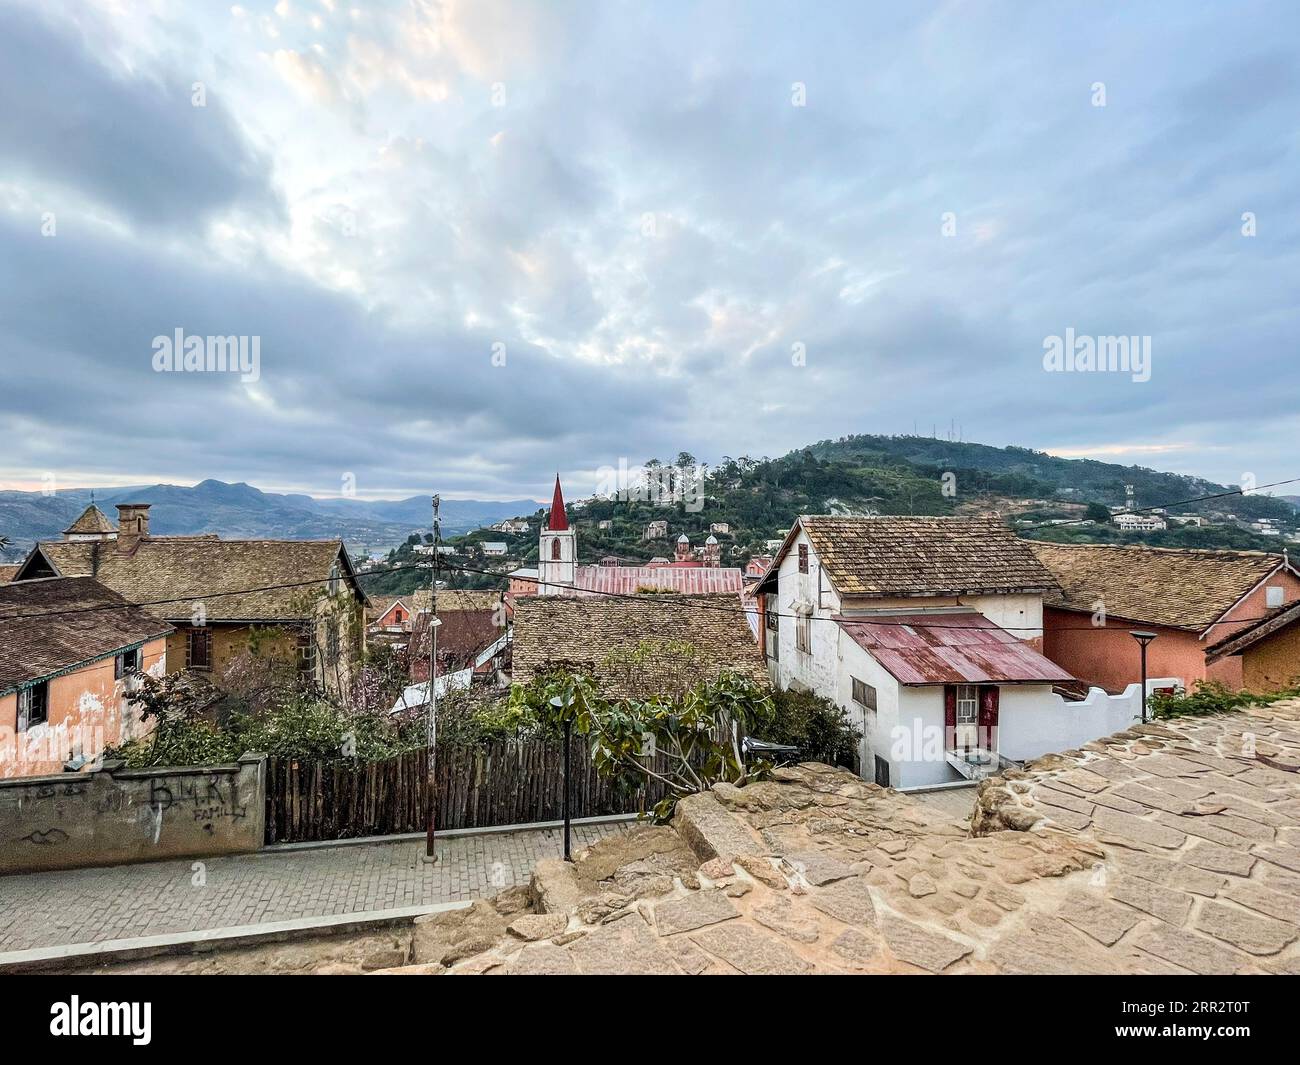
x=558, y=521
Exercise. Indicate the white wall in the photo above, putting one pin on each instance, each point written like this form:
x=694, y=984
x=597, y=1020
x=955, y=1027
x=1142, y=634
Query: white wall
x=1032, y=727
x=1020, y=615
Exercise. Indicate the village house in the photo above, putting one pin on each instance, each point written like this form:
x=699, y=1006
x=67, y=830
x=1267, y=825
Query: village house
x=388, y=617
x=70, y=653
x=927, y=631
x=1189, y=599
x=558, y=571
x=471, y=635
x=1268, y=651
x=294, y=601
x=597, y=637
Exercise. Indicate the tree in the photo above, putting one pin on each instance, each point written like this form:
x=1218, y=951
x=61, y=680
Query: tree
x=1097, y=512
x=688, y=744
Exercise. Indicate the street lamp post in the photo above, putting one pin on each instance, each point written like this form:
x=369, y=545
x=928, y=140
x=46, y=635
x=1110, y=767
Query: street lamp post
x=430, y=739
x=1143, y=639
x=559, y=704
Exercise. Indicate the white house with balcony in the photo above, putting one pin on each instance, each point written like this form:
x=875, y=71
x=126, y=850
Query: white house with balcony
x=927, y=631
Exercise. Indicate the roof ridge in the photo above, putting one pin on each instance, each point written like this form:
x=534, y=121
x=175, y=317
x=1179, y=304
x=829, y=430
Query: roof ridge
x=1186, y=551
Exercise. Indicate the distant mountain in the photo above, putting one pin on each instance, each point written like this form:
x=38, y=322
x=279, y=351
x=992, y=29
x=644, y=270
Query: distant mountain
x=242, y=511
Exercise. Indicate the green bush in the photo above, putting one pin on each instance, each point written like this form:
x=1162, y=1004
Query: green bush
x=819, y=728
x=1211, y=697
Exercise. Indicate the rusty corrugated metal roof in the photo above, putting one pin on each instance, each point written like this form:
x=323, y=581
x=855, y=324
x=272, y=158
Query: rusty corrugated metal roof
x=949, y=649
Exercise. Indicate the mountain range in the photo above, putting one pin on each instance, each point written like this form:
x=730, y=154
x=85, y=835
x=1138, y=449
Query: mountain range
x=242, y=511
x=757, y=498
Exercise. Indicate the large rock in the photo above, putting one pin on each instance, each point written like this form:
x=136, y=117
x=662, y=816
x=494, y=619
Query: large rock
x=555, y=886
x=453, y=935
x=712, y=832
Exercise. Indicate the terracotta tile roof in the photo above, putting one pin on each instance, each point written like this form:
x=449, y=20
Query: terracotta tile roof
x=379, y=604
x=905, y=556
x=92, y=520
x=33, y=646
x=7, y=573
x=194, y=569
x=949, y=649
x=451, y=599
x=1274, y=621
x=578, y=633
x=1158, y=585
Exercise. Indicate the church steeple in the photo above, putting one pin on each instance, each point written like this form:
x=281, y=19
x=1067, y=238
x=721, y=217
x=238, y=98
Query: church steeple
x=557, y=549
x=558, y=520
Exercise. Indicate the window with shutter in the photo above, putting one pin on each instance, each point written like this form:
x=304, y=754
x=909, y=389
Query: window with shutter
x=33, y=706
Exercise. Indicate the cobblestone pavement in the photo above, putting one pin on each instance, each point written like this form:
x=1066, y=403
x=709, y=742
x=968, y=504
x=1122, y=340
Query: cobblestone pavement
x=1167, y=849
x=125, y=901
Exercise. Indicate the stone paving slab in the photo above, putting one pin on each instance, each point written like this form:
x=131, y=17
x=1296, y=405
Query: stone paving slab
x=1166, y=849
x=156, y=898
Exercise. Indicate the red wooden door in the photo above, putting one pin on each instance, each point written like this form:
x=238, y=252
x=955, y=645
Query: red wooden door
x=988, y=716
x=949, y=717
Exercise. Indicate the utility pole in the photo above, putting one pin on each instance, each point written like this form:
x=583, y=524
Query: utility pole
x=431, y=722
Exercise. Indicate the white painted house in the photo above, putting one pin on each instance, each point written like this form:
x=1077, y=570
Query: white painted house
x=927, y=631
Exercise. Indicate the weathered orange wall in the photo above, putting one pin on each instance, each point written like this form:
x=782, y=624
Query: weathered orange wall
x=87, y=712
x=1110, y=658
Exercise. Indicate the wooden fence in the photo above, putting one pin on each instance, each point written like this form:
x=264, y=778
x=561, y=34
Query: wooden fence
x=505, y=782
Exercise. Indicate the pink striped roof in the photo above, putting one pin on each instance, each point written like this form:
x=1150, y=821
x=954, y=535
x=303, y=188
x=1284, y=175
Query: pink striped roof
x=686, y=580
x=949, y=649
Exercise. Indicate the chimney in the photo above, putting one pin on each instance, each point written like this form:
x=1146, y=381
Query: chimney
x=132, y=525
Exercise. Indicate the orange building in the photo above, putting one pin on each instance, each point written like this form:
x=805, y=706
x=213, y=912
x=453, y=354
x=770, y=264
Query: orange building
x=1189, y=599
x=70, y=652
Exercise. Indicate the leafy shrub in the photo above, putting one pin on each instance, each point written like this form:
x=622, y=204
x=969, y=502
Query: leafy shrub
x=1211, y=697
x=820, y=729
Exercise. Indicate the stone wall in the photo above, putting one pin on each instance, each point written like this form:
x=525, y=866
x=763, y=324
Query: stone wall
x=115, y=815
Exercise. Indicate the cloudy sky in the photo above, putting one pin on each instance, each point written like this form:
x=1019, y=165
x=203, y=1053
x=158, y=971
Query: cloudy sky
x=727, y=228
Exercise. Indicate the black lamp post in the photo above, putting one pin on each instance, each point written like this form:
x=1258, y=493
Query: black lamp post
x=559, y=704
x=1143, y=638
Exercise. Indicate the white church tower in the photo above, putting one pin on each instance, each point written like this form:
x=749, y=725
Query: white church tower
x=557, y=558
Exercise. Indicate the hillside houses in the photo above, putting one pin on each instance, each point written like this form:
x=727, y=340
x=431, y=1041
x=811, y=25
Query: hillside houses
x=928, y=632
x=300, y=599
x=558, y=572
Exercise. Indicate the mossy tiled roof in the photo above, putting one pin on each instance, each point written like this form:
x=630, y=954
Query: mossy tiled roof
x=1178, y=588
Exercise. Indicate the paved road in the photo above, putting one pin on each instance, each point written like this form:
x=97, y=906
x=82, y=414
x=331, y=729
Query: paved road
x=125, y=901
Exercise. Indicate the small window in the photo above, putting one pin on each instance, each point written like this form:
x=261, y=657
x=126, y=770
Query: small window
x=1274, y=595
x=334, y=579
x=33, y=705
x=864, y=694
x=397, y=616
x=127, y=662
x=555, y=550
x=803, y=558
x=772, y=617
x=968, y=704
x=803, y=635
x=199, y=649
x=882, y=772
x=306, y=655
